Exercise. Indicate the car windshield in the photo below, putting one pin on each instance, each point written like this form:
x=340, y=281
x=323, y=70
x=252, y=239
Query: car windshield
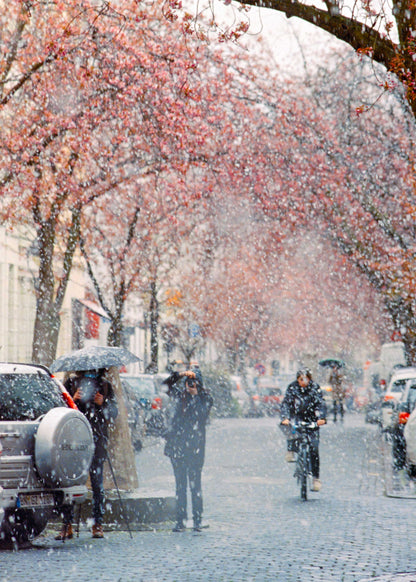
x=143, y=387
x=27, y=396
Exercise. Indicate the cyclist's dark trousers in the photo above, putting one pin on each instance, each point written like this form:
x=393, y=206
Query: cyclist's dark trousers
x=293, y=445
x=184, y=471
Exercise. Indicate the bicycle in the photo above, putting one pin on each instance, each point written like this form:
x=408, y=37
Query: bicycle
x=303, y=469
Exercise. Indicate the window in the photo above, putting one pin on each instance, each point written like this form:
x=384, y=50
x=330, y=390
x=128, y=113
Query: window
x=411, y=398
x=143, y=387
x=398, y=385
x=27, y=396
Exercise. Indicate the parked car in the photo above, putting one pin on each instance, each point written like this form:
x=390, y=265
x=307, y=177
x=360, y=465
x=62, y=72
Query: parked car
x=267, y=397
x=409, y=433
x=394, y=393
x=270, y=401
x=327, y=395
x=159, y=379
x=361, y=398
x=398, y=427
x=150, y=404
x=240, y=395
x=373, y=412
x=47, y=448
x=135, y=415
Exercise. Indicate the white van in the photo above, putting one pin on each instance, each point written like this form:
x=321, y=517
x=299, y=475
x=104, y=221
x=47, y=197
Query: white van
x=394, y=393
x=391, y=355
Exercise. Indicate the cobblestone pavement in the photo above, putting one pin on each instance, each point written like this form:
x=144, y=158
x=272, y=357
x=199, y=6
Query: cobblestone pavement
x=259, y=530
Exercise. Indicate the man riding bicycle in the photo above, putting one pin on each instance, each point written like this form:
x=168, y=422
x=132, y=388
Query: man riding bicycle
x=303, y=402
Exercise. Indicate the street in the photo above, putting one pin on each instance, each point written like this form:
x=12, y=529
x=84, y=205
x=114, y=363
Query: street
x=259, y=530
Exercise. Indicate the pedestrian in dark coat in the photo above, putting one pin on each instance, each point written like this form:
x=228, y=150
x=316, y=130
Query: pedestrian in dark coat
x=335, y=380
x=185, y=441
x=303, y=402
x=94, y=397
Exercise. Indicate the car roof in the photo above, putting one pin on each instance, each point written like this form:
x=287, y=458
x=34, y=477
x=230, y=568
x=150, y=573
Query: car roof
x=403, y=373
x=18, y=368
x=124, y=375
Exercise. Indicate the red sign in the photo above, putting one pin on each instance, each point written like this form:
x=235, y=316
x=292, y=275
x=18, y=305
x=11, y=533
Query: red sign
x=260, y=369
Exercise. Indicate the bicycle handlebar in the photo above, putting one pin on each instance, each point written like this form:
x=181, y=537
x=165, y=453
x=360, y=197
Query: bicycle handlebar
x=303, y=424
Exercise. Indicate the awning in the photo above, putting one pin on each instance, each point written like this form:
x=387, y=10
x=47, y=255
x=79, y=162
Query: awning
x=92, y=306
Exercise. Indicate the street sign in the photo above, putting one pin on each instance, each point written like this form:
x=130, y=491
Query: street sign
x=260, y=369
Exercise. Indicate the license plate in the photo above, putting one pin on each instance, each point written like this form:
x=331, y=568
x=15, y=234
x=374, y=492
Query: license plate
x=36, y=500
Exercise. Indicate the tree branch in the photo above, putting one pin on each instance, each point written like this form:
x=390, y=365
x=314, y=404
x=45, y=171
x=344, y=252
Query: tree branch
x=357, y=34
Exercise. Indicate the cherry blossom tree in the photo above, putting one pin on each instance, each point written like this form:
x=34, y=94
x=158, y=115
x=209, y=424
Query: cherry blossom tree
x=370, y=220
x=384, y=33
x=80, y=82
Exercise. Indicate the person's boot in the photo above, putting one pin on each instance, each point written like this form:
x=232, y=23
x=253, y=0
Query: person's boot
x=290, y=457
x=66, y=533
x=316, y=485
x=97, y=531
x=197, y=524
x=179, y=526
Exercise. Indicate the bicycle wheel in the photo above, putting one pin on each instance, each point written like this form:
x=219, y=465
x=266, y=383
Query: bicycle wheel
x=303, y=473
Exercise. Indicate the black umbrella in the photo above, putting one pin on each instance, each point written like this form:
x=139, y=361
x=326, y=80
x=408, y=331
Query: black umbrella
x=331, y=362
x=93, y=358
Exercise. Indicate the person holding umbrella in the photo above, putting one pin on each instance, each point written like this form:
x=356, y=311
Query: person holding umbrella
x=185, y=441
x=335, y=380
x=94, y=396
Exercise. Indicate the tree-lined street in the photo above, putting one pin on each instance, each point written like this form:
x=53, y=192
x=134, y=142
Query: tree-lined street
x=258, y=527
x=166, y=187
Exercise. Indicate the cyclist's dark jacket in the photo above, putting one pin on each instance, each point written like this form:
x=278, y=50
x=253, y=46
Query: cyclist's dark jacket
x=303, y=404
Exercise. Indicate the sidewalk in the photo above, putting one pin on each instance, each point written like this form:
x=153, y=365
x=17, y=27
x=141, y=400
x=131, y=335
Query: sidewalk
x=392, y=578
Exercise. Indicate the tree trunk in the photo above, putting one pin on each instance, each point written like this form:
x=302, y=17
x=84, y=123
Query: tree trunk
x=153, y=366
x=409, y=340
x=120, y=449
x=404, y=319
x=45, y=333
x=49, y=296
x=115, y=333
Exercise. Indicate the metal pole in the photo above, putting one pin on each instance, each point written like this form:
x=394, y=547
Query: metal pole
x=118, y=493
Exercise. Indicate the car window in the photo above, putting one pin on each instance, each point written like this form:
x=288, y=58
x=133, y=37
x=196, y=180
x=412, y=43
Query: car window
x=27, y=396
x=411, y=398
x=398, y=385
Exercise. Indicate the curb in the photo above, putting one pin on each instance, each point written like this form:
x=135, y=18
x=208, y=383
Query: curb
x=135, y=511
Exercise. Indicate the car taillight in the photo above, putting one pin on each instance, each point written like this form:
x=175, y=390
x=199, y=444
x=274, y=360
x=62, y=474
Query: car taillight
x=157, y=403
x=69, y=400
x=388, y=397
x=256, y=397
x=403, y=417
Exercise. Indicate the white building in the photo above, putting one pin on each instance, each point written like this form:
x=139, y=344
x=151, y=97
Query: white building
x=18, y=268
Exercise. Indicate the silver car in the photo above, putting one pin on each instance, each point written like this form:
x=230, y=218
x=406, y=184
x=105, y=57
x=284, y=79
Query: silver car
x=46, y=450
